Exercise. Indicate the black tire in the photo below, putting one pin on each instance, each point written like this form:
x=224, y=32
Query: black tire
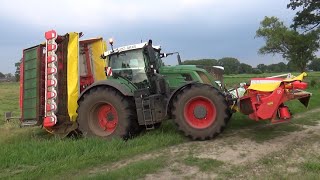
x=89, y=111
x=214, y=103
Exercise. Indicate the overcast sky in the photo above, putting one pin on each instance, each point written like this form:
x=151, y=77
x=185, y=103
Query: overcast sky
x=196, y=28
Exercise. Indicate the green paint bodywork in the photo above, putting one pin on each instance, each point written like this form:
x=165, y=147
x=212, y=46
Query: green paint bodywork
x=175, y=78
x=173, y=75
x=124, y=83
x=30, y=83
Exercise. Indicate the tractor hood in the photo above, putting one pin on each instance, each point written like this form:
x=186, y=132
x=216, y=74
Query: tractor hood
x=181, y=67
x=181, y=74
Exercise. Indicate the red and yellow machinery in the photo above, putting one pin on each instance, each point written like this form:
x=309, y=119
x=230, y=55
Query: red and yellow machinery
x=265, y=97
x=53, y=74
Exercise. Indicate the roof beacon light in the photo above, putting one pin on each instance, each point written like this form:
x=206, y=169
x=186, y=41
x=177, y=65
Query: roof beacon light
x=111, y=43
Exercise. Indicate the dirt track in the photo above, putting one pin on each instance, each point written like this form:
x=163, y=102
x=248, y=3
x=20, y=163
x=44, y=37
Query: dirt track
x=233, y=150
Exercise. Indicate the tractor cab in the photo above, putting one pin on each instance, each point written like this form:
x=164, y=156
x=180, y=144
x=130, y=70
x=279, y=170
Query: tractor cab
x=137, y=63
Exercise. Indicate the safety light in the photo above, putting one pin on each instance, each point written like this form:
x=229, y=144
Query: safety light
x=50, y=35
x=50, y=79
x=52, y=47
x=51, y=95
x=111, y=41
x=51, y=70
x=51, y=82
x=51, y=59
x=50, y=121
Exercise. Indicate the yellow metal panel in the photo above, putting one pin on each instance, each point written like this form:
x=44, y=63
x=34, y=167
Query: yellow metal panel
x=272, y=86
x=298, y=78
x=268, y=87
x=73, y=75
x=98, y=48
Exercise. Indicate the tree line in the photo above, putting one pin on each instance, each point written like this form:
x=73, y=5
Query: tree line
x=234, y=66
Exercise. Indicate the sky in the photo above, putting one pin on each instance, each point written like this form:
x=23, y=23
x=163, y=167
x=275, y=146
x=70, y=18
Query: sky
x=197, y=29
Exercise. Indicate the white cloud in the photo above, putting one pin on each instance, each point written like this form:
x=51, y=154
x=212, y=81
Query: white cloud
x=75, y=14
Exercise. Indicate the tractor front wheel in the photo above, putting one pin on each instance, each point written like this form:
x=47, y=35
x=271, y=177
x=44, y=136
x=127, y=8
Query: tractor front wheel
x=200, y=111
x=106, y=113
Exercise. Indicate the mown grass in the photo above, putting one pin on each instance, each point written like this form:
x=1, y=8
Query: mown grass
x=204, y=164
x=133, y=170
x=31, y=153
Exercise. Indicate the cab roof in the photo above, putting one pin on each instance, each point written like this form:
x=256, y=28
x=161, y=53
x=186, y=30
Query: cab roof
x=129, y=47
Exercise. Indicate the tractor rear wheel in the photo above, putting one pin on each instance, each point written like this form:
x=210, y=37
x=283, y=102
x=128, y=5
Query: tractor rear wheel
x=106, y=113
x=200, y=111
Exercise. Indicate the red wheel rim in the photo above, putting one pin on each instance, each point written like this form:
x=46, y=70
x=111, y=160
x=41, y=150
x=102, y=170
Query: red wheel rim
x=107, y=117
x=200, y=112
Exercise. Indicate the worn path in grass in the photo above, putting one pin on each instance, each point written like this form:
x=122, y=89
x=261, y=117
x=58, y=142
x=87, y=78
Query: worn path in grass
x=237, y=154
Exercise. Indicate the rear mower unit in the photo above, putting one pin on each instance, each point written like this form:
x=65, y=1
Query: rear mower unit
x=52, y=76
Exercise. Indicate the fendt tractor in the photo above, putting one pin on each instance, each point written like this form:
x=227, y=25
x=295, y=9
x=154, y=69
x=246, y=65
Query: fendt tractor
x=71, y=86
x=144, y=92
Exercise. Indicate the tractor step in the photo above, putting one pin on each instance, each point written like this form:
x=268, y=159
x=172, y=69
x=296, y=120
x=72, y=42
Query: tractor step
x=8, y=116
x=29, y=123
x=147, y=114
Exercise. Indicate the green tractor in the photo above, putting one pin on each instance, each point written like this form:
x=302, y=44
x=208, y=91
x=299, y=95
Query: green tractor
x=141, y=92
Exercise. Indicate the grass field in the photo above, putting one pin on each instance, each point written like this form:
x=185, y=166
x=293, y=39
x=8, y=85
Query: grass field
x=31, y=153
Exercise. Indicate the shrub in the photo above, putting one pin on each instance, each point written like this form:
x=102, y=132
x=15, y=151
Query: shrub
x=313, y=83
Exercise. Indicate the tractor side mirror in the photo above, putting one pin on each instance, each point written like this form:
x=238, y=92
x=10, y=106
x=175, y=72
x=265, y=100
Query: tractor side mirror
x=163, y=55
x=179, y=59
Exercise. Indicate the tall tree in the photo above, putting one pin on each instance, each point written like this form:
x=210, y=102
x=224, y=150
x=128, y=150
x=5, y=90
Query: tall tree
x=293, y=46
x=17, y=73
x=231, y=65
x=203, y=62
x=245, y=68
x=308, y=15
x=2, y=75
x=315, y=64
x=262, y=67
x=292, y=67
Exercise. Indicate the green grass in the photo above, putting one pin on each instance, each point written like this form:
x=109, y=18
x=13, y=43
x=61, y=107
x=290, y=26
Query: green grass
x=204, y=164
x=134, y=170
x=312, y=166
x=37, y=155
x=264, y=133
x=31, y=153
x=9, y=99
x=233, y=80
x=310, y=74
